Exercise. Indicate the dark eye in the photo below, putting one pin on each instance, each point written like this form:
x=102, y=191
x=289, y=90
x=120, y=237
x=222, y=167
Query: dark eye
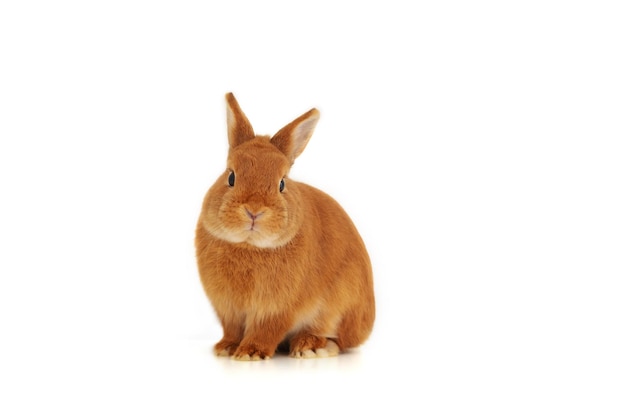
x=281, y=186
x=231, y=179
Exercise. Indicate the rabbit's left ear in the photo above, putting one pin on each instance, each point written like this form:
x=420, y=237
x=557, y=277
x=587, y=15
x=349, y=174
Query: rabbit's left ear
x=293, y=138
x=239, y=127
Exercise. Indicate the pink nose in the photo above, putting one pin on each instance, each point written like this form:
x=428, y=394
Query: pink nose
x=254, y=216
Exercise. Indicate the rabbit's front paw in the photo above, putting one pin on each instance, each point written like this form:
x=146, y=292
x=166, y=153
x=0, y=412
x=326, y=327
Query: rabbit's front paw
x=251, y=352
x=225, y=348
x=311, y=346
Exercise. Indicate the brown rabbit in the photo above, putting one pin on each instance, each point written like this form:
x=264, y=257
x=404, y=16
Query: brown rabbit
x=280, y=261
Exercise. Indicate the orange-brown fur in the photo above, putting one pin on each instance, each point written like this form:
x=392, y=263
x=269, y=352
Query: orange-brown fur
x=297, y=273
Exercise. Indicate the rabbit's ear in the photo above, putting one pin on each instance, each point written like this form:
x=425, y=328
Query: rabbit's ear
x=293, y=138
x=239, y=128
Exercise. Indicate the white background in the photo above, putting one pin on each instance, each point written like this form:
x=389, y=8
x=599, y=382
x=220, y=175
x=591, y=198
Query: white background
x=478, y=146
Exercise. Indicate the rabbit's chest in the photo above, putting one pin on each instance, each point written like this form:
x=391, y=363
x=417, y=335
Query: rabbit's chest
x=248, y=281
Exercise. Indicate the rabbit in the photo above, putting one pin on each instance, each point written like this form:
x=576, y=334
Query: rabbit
x=280, y=261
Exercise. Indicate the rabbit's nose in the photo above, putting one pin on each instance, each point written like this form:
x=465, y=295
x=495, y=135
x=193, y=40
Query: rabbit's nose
x=254, y=215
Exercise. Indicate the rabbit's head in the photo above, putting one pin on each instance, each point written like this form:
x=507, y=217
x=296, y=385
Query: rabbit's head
x=254, y=202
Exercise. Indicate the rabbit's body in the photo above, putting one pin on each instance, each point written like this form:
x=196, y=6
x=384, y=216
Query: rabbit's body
x=279, y=260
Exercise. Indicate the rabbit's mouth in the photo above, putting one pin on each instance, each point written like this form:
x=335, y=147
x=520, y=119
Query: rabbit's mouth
x=252, y=231
x=256, y=235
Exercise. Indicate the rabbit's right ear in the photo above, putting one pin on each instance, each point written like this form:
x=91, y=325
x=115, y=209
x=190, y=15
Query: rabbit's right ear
x=239, y=128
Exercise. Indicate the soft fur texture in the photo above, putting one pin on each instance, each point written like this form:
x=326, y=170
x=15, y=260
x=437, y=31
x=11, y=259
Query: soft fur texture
x=283, y=267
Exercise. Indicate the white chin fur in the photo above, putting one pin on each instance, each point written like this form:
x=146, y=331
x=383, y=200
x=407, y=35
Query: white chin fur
x=255, y=238
x=260, y=241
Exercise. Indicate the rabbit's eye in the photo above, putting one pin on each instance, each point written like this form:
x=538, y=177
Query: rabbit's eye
x=231, y=179
x=281, y=186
